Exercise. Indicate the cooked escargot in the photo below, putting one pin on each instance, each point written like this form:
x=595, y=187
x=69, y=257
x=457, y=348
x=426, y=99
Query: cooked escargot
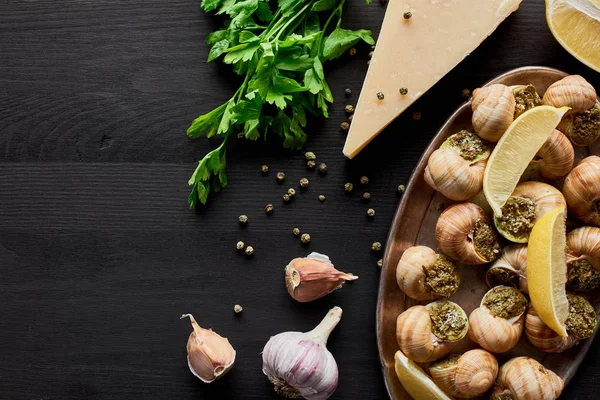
x=523, y=378
x=493, y=111
x=582, y=190
x=526, y=98
x=510, y=269
x=583, y=259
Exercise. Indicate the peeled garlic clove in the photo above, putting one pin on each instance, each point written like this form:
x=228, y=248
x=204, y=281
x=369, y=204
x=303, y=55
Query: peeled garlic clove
x=524, y=378
x=210, y=356
x=466, y=376
x=510, y=269
x=427, y=333
x=498, y=322
x=312, y=277
x=582, y=128
x=526, y=98
x=464, y=234
x=572, y=91
x=424, y=275
x=299, y=364
x=556, y=157
x=582, y=190
x=583, y=259
x=456, y=169
x=493, y=111
x=527, y=204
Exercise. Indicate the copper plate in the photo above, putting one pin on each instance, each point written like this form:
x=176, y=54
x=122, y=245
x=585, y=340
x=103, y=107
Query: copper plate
x=414, y=223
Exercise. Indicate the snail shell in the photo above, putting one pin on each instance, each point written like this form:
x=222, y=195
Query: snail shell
x=419, y=337
x=510, y=269
x=582, y=190
x=496, y=325
x=523, y=378
x=527, y=204
x=493, y=111
x=424, y=275
x=556, y=157
x=466, y=376
x=572, y=91
x=583, y=259
x=464, y=233
x=582, y=128
x=456, y=169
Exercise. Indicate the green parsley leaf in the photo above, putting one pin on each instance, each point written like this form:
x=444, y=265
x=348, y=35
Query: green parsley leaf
x=340, y=40
x=217, y=36
x=263, y=12
x=209, y=172
x=324, y=5
x=218, y=49
x=211, y=5
x=208, y=122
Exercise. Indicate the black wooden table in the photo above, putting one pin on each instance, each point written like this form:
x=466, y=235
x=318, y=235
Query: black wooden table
x=98, y=251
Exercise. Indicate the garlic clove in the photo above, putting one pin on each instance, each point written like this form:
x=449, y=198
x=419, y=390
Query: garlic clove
x=210, y=356
x=313, y=277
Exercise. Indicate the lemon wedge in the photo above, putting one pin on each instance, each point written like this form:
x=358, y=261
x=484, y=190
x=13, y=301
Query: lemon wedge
x=415, y=381
x=576, y=26
x=547, y=270
x=515, y=149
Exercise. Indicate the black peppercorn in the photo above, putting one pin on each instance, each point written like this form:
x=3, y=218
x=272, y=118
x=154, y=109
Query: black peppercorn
x=380, y=95
x=403, y=91
x=407, y=15
x=348, y=92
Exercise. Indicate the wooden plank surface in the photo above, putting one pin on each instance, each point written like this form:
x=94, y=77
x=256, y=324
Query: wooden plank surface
x=98, y=251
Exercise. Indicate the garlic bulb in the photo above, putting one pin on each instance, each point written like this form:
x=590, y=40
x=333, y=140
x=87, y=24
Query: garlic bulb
x=210, y=356
x=465, y=234
x=556, y=157
x=572, y=91
x=582, y=128
x=466, y=376
x=427, y=333
x=528, y=202
x=523, y=378
x=424, y=275
x=312, y=277
x=299, y=364
x=583, y=259
x=498, y=322
x=580, y=324
x=510, y=269
x=582, y=190
x=493, y=111
x=526, y=97
x=456, y=169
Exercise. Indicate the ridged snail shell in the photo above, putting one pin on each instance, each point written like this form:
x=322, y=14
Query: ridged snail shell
x=497, y=333
x=464, y=234
x=583, y=259
x=582, y=128
x=415, y=331
x=582, y=190
x=572, y=91
x=556, y=157
x=526, y=98
x=456, y=169
x=539, y=196
x=420, y=268
x=510, y=269
x=493, y=111
x=466, y=376
x=523, y=378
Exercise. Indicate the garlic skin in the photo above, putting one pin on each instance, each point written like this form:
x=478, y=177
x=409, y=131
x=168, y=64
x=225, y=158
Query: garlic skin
x=523, y=378
x=299, y=364
x=313, y=277
x=556, y=157
x=527, y=204
x=497, y=327
x=456, y=169
x=583, y=259
x=466, y=376
x=582, y=190
x=424, y=275
x=572, y=91
x=464, y=234
x=493, y=111
x=210, y=356
x=419, y=336
x=510, y=269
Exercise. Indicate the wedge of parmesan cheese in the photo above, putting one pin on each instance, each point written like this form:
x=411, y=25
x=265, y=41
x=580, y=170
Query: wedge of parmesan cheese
x=417, y=52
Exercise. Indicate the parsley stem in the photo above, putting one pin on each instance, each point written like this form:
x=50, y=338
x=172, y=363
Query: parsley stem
x=298, y=14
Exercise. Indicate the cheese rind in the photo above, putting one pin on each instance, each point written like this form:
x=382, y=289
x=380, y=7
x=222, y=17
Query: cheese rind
x=416, y=53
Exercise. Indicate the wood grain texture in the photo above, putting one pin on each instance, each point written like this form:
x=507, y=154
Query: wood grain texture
x=98, y=251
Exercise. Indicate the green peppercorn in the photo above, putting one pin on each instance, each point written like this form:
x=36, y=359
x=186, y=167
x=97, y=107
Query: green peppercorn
x=349, y=108
x=237, y=309
x=304, y=183
x=309, y=155
x=352, y=51
x=249, y=250
x=376, y=246
x=243, y=219
x=371, y=212
x=380, y=95
x=295, y=231
x=348, y=92
x=348, y=187
x=380, y=263
x=286, y=198
x=344, y=126
x=269, y=209
x=407, y=15
x=403, y=91
x=240, y=245
x=311, y=164
x=321, y=198
x=264, y=169
x=322, y=168
x=280, y=177
x=401, y=188
x=364, y=180
x=305, y=238
x=366, y=197
x=292, y=192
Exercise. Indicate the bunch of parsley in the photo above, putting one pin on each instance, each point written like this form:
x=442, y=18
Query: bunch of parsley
x=280, y=53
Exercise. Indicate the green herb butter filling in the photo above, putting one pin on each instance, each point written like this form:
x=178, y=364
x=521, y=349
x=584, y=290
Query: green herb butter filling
x=442, y=277
x=469, y=145
x=581, y=321
x=448, y=321
x=582, y=276
x=518, y=216
x=526, y=98
x=485, y=241
x=586, y=127
x=505, y=302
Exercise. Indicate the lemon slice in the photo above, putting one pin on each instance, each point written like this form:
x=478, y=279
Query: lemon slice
x=547, y=270
x=576, y=26
x=415, y=381
x=516, y=148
